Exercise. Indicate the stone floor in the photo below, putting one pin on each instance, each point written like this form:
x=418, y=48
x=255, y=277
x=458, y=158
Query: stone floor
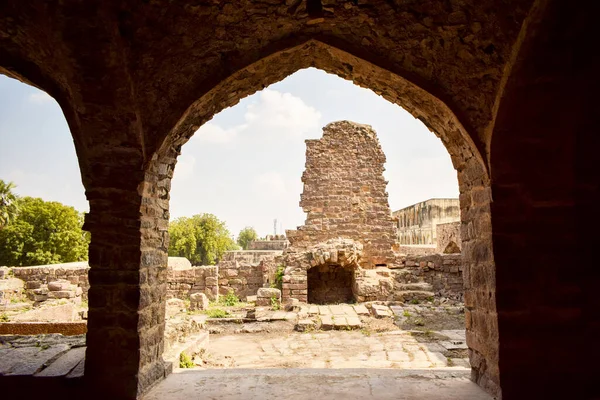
x=42, y=355
x=322, y=384
x=334, y=349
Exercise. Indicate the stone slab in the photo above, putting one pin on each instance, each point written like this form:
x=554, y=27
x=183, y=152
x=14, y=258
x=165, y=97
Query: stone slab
x=454, y=345
x=360, y=309
x=65, y=363
x=380, y=311
x=30, y=361
x=339, y=321
x=336, y=309
x=354, y=322
x=78, y=371
x=323, y=384
x=327, y=322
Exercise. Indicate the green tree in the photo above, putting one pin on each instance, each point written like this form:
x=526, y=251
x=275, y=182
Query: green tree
x=44, y=232
x=246, y=235
x=202, y=239
x=8, y=203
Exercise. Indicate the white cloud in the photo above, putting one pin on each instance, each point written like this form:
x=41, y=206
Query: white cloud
x=212, y=133
x=282, y=113
x=40, y=98
x=271, y=184
x=275, y=113
x=185, y=167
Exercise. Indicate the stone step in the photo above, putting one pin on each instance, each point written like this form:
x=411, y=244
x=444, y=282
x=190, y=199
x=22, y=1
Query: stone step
x=410, y=295
x=194, y=344
x=419, y=286
x=339, y=322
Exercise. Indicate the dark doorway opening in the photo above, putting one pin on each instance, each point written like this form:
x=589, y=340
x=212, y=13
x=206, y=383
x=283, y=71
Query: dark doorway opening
x=330, y=284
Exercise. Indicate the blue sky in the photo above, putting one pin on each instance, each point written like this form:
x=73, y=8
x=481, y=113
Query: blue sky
x=244, y=165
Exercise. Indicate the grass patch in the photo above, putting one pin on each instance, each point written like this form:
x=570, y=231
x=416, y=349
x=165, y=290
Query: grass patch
x=415, y=301
x=217, y=313
x=4, y=318
x=406, y=314
x=185, y=361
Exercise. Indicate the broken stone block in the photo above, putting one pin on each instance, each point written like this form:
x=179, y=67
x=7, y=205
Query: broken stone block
x=292, y=305
x=33, y=284
x=61, y=294
x=380, y=311
x=264, y=296
x=305, y=325
x=198, y=301
x=60, y=285
x=174, y=306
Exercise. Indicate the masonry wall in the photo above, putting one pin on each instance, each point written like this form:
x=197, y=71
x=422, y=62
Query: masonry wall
x=34, y=277
x=345, y=193
x=268, y=244
x=444, y=272
x=417, y=223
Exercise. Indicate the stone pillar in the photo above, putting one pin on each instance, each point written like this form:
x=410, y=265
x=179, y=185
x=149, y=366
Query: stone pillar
x=128, y=221
x=545, y=175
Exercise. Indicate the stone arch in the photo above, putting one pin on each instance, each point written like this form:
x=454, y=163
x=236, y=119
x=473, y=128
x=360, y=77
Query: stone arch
x=473, y=176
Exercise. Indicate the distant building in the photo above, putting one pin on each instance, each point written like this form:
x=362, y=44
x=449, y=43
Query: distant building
x=417, y=223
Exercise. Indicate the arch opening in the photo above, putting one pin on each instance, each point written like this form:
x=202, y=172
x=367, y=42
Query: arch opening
x=473, y=177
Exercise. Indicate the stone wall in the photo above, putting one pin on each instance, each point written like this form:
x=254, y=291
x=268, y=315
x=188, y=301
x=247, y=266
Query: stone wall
x=444, y=272
x=345, y=193
x=417, y=249
x=34, y=277
x=417, y=224
x=268, y=244
x=242, y=272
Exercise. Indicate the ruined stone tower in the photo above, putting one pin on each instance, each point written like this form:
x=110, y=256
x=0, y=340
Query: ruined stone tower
x=345, y=193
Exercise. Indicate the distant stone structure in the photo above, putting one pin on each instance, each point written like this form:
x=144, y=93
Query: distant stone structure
x=345, y=193
x=269, y=244
x=417, y=224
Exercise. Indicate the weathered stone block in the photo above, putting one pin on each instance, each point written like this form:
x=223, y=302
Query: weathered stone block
x=60, y=285
x=198, y=301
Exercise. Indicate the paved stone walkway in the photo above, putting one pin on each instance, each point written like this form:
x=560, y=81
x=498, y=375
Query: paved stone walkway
x=322, y=384
x=331, y=349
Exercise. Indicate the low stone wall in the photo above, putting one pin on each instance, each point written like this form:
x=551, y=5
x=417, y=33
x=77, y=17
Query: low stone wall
x=417, y=249
x=186, y=280
x=242, y=272
x=34, y=277
x=268, y=245
x=442, y=271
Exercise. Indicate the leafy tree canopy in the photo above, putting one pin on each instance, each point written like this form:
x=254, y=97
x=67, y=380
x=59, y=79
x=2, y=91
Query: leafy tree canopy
x=202, y=239
x=245, y=236
x=8, y=203
x=43, y=232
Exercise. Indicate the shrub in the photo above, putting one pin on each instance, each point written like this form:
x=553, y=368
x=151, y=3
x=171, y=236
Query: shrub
x=275, y=303
x=217, y=313
x=278, y=284
x=185, y=361
x=230, y=299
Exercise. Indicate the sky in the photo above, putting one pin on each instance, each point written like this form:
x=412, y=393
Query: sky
x=245, y=165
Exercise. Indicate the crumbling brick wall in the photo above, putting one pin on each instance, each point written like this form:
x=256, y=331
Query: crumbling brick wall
x=345, y=193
